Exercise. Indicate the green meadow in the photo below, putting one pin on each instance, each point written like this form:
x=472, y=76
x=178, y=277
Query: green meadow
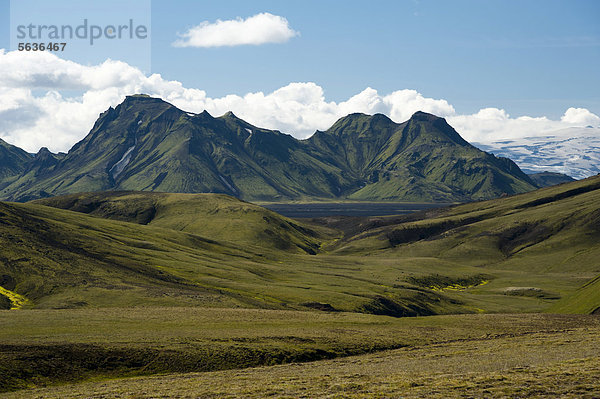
x=58, y=347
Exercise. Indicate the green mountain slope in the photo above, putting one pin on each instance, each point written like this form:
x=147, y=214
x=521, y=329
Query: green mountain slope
x=13, y=160
x=149, y=145
x=146, y=144
x=585, y=300
x=545, y=243
x=536, y=227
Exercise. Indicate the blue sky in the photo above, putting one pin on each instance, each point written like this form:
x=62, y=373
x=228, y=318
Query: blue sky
x=525, y=58
x=528, y=57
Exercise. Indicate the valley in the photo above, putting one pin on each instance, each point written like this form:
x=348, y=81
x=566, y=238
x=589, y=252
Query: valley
x=354, y=209
x=278, y=199
x=125, y=284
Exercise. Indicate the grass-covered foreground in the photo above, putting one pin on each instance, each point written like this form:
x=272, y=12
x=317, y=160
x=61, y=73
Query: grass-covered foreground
x=443, y=354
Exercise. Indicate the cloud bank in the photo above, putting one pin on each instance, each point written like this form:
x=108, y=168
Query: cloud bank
x=38, y=109
x=258, y=29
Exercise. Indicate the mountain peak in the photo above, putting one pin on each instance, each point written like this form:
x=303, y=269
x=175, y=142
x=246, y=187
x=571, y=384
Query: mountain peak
x=42, y=152
x=360, y=121
x=437, y=125
x=355, y=115
x=142, y=97
x=229, y=114
x=44, y=161
x=205, y=114
x=142, y=100
x=424, y=116
x=13, y=160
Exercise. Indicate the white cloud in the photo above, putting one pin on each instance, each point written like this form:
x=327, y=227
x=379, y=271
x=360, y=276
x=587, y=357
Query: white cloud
x=57, y=119
x=492, y=124
x=258, y=29
x=580, y=116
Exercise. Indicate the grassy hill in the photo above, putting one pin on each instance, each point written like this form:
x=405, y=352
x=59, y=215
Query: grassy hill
x=521, y=254
x=550, y=234
x=58, y=258
x=504, y=231
x=111, y=263
x=219, y=217
x=585, y=300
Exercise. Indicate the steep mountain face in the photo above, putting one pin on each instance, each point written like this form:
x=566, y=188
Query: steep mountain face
x=146, y=144
x=13, y=160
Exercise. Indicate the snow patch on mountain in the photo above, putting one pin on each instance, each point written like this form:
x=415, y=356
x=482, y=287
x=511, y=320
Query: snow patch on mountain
x=117, y=168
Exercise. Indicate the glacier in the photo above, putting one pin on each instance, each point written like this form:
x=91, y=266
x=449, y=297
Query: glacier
x=573, y=151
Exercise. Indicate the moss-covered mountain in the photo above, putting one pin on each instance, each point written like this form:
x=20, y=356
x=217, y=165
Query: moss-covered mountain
x=147, y=144
x=423, y=159
x=13, y=160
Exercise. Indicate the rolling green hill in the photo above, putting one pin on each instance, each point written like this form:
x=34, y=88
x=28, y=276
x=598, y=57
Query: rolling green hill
x=217, y=216
x=537, y=224
x=118, y=284
x=59, y=258
x=519, y=254
x=147, y=144
x=551, y=233
x=585, y=300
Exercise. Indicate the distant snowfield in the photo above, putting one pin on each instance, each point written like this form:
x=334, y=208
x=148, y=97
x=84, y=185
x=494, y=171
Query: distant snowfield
x=573, y=151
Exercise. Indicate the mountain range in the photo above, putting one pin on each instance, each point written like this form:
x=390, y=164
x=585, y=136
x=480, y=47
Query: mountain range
x=147, y=144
